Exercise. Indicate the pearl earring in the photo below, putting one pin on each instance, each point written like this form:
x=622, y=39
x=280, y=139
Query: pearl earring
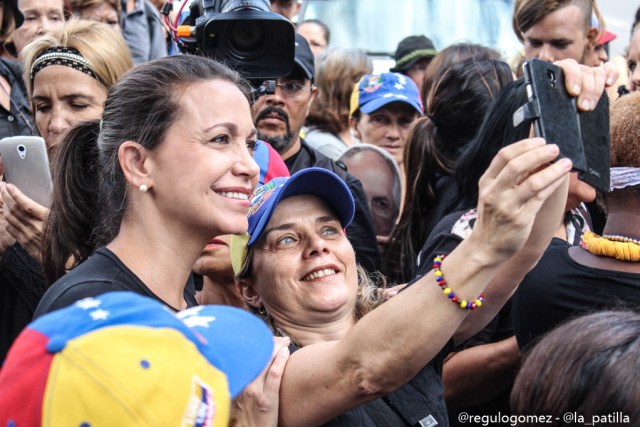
x=143, y=188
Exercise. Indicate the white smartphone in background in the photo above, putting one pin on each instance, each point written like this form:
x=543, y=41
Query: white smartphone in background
x=26, y=165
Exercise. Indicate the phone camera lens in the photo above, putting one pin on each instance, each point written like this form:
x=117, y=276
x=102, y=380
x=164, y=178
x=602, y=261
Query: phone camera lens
x=22, y=148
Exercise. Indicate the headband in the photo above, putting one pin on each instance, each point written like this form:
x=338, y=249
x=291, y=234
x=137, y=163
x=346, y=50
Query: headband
x=624, y=177
x=61, y=55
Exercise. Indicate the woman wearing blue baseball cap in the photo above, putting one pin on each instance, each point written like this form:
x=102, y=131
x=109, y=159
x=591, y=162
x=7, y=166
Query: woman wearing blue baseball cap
x=357, y=361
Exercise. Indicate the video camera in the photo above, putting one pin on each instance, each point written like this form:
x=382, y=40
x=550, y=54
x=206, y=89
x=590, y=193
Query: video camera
x=244, y=34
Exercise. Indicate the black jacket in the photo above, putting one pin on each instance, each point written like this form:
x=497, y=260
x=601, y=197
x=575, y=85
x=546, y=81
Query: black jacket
x=360, y=232
x=18, y=120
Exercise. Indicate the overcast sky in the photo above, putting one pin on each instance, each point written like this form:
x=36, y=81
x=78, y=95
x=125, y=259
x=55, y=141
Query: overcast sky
x=618, y=15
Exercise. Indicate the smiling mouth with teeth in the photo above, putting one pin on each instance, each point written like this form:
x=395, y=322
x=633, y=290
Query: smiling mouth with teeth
x=318, y=274
x=233, y=195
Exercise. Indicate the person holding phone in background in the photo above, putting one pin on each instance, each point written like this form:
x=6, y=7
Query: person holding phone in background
x=68, y=74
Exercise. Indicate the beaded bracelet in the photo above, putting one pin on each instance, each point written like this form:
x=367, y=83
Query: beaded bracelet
x=463, y=304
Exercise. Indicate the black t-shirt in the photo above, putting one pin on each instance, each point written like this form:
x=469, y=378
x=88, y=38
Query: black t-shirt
x=103, y=272
x=420, y=402
x=22, y=284
x=559, y=288
x=18, y=120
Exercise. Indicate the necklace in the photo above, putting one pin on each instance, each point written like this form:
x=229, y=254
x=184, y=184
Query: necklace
x=620, y=238
x=612, y=246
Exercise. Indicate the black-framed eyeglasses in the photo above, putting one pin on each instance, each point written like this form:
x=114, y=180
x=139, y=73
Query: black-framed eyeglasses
x=288, y=88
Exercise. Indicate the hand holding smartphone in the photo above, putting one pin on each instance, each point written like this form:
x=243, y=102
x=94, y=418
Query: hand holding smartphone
x=582, y=137
x=26, y=165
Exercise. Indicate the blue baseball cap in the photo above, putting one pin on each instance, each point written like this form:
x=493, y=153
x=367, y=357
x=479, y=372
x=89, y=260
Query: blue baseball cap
x=375, y=91
x=312, y=181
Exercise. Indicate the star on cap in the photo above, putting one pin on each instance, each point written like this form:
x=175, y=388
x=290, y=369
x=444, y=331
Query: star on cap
x=99, y=314
x=88, y=303
x=202, y=321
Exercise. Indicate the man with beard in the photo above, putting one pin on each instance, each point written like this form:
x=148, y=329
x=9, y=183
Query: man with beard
x=280, y=116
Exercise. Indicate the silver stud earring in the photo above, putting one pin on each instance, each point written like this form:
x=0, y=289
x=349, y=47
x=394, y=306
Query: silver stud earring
x=143, y=188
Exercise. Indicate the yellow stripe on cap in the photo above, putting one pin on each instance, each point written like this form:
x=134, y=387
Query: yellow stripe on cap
x=238, y=251
x=354, y=104
x=134, y=376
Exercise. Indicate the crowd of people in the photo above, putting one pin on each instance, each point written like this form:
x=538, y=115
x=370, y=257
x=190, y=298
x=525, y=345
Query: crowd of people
x=344, y=249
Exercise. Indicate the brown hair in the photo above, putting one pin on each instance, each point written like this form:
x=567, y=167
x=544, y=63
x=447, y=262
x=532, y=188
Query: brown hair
x=526, y=13
x=338, y=70
x=589, y=366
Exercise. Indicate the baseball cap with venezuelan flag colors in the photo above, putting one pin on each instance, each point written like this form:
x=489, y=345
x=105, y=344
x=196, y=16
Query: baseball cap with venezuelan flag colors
x=314, y=181
x=122, y=359
x=375, y=91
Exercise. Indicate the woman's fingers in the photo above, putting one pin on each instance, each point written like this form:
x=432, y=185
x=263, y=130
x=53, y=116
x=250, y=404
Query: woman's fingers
x=540, y=185
x=509, y=201
x=24, y=218
x=23, y=206
x=508, y=153
x=276, y=369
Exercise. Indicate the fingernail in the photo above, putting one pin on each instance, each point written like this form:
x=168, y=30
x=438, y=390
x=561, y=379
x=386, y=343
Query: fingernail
x=585, y=104
x=552, y=148
x=565, y=163
x=576, y=88
x=610, y=81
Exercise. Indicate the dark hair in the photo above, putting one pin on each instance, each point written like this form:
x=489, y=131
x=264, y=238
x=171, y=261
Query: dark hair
x=456, y=106
x=589, y=366
x=325, y=27
x=497, y=131
x=453, y=54
x=89, y=189
x=8, y=25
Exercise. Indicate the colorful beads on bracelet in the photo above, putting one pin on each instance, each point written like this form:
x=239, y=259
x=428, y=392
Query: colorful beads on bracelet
x=462, y=303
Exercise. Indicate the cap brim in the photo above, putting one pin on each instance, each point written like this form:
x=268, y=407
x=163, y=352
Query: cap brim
x=606, y=37
x=316, y=182
x=405, y=67
x=241, y=342
x=378, y=103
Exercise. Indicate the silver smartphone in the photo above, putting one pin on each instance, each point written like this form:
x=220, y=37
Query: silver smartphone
x=26, y=165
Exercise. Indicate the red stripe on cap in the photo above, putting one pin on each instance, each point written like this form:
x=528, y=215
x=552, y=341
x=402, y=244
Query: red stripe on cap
x=23, y=380
x=277, y=168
